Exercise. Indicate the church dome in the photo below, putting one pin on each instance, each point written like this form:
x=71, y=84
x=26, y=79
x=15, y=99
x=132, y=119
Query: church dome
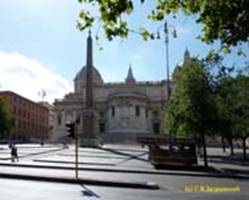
x=80, y=78
x=97, y=79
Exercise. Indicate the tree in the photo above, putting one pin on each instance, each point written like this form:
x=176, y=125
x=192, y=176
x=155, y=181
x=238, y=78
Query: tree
x=232, y=97
x=6, y=121
x=225, y=100
x=227, y=21
x=241, y=110
x=190, y=110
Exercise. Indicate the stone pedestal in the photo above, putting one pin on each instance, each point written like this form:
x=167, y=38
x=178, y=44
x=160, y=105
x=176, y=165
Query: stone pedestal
x=88, y=137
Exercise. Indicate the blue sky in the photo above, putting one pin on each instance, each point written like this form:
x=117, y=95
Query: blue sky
x=40, y=48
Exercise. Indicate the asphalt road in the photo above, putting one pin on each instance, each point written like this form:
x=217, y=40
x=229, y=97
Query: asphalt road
x=30, y=190
x=172, y=182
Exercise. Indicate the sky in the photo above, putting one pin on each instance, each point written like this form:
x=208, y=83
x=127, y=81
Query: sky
x=41, y=48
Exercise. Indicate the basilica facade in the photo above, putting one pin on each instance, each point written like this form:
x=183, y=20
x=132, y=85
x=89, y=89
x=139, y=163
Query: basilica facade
x=122, y=111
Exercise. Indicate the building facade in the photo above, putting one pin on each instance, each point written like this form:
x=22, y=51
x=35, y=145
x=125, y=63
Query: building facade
x=31, y=119
x=51, y=116
x=122, y=111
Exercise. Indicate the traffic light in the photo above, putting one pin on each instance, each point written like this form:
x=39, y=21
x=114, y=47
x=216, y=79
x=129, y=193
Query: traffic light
x=71, y=130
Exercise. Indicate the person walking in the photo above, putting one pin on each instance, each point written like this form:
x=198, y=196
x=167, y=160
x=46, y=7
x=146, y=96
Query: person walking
x=14, y=153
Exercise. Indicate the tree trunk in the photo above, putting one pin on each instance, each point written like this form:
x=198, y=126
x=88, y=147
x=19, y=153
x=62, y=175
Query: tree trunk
x=204, y=150
x=223, y=144
x=244, y=148
x=198, y=142
x=231, y=147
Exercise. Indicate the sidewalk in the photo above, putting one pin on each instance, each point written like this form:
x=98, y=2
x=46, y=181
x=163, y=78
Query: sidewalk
x=28, y=150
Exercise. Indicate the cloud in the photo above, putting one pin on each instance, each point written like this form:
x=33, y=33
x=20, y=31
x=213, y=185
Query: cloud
x=28, y=77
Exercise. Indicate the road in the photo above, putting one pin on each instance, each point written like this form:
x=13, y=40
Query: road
x=117, y=163
x=30, y=190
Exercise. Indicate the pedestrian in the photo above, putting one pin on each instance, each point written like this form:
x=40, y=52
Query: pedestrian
x=64, y=144
x=14, y=153
x=11, y=146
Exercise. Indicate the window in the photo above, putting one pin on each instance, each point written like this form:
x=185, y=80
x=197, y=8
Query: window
x=19, y=112
x=113, y=111
x=101, y=127
x=146, y=113
x=14, y=110
x=137, y=110
x=156, y=128
x=59, y=119
x=156, y=113
x=102, y=114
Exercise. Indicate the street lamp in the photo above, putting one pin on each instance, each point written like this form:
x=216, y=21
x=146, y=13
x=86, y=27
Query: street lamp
x=168, y=29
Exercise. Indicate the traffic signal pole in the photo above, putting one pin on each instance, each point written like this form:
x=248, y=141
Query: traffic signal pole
x=76, y=151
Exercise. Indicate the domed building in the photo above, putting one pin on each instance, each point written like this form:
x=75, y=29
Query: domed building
x=80, y=79
x=122, y=111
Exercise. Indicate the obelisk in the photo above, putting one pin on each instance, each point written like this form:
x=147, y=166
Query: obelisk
x=89, y=137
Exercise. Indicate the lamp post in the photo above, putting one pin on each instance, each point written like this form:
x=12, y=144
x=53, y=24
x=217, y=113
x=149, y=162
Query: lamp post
x=168, y=29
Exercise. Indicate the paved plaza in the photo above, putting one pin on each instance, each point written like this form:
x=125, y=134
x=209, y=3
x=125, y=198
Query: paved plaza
x=111, y=172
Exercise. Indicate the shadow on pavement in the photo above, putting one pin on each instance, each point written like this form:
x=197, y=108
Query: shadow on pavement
x=237, y=159
x=235, y=171
x=72, y=162
x=128, y=150
x=118, y=152
x=34, y=154
x=88, y=193
x=92, y=156
x=194, y=168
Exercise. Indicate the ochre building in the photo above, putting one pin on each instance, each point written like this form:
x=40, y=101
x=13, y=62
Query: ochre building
x=31, y=119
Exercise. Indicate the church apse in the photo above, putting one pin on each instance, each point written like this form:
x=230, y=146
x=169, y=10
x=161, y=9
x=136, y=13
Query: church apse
x=122, y=110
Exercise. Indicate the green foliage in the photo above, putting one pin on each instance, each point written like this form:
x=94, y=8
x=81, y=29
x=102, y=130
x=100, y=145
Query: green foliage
x=224, y=100
x=241, y=107
x=110, y=15
x=232, y=102
x=222, y=20
x=6, y=121
x=190, y=110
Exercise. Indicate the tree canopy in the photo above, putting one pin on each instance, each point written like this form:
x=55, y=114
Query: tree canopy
x=232, y=97
x=223, y=20
x=190, y=110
